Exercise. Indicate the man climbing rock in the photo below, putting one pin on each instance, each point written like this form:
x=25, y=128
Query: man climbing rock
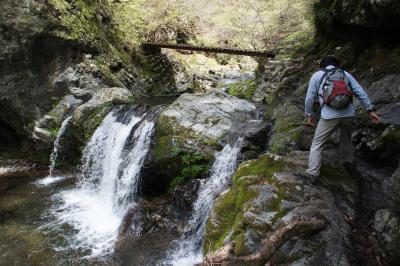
x=333, y=89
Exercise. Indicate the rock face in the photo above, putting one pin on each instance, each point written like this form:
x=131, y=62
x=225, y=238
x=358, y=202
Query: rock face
x=57, y=55
x=385, y=93
x=381, y=15
x=46, y=51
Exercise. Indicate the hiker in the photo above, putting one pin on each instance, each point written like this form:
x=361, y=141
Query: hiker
x=333, y=89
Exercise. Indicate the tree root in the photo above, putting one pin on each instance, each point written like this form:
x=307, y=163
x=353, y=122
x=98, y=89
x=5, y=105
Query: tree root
x=225, y=257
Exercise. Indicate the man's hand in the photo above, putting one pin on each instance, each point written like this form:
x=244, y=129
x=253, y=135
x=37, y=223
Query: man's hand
x=374, y=117
x=311, y=121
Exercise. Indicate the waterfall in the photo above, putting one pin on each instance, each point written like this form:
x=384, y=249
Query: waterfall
x=108, y=182
x=57, y=145
x=188, y=250
x=54, y=156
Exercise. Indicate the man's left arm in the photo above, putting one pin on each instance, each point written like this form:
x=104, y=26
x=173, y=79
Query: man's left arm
x=362, y=96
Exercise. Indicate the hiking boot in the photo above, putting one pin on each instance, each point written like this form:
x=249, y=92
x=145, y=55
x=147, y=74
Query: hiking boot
x=309, y=177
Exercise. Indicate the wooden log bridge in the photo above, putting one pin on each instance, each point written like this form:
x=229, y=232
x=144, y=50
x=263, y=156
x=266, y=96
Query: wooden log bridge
x=257, y=53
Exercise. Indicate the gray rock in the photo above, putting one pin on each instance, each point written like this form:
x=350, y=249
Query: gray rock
x=81, y=94
x=232, y=74
x=211, y=116
x=385, y=90
x=66, y=106
x=385, y=94
x=391, y=187
x=43, y=136
x=100, y=97
x=387, y=225
x=48, y=121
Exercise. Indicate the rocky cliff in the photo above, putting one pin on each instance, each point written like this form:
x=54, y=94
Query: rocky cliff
x=56, y=55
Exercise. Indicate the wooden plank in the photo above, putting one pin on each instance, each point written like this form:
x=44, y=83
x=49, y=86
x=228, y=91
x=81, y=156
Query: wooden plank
x=257, y=53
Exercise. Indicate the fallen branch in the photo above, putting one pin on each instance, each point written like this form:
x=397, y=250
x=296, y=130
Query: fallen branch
x=225, y=257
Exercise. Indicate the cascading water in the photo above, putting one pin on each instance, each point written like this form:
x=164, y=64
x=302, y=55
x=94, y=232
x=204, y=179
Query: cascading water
x=54, y=155
x=107, y=187
x=57, y=143
x=188, y=250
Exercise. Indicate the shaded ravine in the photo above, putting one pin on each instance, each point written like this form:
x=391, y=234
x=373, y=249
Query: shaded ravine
x=187, y=250
x=88, y=216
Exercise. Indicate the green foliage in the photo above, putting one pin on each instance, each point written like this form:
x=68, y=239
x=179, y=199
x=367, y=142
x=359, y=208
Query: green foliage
x=193, y=166
x=256, y=24
x=154, y=20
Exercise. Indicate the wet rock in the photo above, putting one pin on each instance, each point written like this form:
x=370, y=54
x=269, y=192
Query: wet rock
x=183, y=198
x=147, y=250
x=387, y=225
x=146, y=232
x=21, y=168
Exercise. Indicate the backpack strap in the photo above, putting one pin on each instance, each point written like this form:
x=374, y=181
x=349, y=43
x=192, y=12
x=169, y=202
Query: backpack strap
x=326, y=72
x=321, y=81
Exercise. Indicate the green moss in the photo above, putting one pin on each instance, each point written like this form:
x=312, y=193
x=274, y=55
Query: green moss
x=265, y=166
x=81, y=22
x=287, y=129
x=228, y=213
x=84, y=129
x=54, y=131
x=243, y=89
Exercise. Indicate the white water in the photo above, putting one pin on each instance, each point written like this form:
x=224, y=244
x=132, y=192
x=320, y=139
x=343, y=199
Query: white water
x=57, y=143
x=108, y=184
x=51, y=179
x=188, y=251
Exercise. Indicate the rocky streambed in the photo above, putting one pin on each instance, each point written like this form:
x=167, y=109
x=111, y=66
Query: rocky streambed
x=176, y=159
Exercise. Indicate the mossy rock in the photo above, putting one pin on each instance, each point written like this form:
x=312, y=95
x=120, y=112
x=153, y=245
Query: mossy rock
x=267, y=195
x=242, y=89
x=288, y=131
x=178, y=156
x=230, y=219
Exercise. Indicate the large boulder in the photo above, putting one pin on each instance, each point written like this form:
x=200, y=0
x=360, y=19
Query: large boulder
x=271, y=215
x=385, y=94
x=189, y=131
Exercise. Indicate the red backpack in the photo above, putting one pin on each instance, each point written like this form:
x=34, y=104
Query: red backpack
x=336, y=91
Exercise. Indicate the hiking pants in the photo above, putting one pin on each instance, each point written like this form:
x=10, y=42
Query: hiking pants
x=325, y=129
